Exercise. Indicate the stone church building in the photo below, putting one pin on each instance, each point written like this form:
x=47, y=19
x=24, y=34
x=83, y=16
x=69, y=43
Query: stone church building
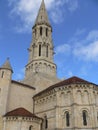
x=41, y=101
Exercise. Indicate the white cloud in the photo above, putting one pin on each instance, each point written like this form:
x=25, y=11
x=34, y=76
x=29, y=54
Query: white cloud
x=72, y=5
x=92, y=36
x=65, y=48
x=26, y=10
x=87, y=52
x=85, y=49
x=56, y=17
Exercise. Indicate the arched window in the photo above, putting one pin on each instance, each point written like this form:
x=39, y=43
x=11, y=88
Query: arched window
x=67, y=116
x=46, y=32
x=46, y=122
x=31, y=127
x=97, y=116
x=39, y=50
x=35, y=32
x=46, y=51
x=84, y=114
x=2, y=74
x=41, y=30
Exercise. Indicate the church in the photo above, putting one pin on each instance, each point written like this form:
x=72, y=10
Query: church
x=41, y=101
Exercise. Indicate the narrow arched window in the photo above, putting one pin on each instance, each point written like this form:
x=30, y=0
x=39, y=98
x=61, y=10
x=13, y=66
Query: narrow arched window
x=46, y=32
x=35, y=32
x=97, y=116
x=0, y=95
x=46, y=51
x=84, y=114
x=46, y=122
x=67, y=116
x=39, y=50
x=2, y=74
x=30, y=128
x=41, y=30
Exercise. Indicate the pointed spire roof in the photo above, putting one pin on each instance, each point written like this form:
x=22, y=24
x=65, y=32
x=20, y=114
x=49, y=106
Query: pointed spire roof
x=7, y=65
x=42, y=16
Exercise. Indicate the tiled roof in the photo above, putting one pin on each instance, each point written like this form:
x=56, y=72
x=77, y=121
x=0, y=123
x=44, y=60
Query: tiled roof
x=21, y=112
x=72, y=80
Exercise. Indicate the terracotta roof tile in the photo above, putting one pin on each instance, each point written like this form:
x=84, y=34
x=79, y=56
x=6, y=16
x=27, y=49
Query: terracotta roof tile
x=21, y=112
x=72, y=80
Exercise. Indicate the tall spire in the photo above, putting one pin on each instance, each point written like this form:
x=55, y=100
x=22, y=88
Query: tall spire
x=42, y=17
x=41, y=69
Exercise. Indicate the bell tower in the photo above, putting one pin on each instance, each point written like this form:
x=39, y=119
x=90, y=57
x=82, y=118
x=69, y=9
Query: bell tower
x=41, y=70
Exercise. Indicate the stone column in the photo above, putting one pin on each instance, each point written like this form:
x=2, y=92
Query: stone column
x=58, y=112
x=19, y=123
x=4, y=124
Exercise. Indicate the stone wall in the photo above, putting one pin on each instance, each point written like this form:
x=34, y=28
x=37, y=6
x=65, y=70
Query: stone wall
x=21, y=123
x=73, y=99
x=1, y=122
x=20, y=96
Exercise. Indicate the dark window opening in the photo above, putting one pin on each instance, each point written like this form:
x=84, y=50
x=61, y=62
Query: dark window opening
x=35, y=32
x=84, y=118
x=30, y=128
x=41, y=31
x=67, y=119
x=39, y=50
x=97, y=116
x=2, y=74
x=46, y=32
x=46, y=122
x=47, y=51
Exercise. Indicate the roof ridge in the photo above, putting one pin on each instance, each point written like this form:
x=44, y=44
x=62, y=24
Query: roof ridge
x=71, y=80
x=21, y=112
x=18, y=112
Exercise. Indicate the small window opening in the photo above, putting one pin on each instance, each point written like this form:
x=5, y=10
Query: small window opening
x=46, y=32
x=46, y=122
x=67, y=119
x=2, y=75
x=97, y=116
x=35, y=32
x=84, y=118
x=39, y=50
x=47, y=51
x=30, y=128
x=41, y=31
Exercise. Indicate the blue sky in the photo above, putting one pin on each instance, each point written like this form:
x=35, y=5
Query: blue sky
x=75, y=35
